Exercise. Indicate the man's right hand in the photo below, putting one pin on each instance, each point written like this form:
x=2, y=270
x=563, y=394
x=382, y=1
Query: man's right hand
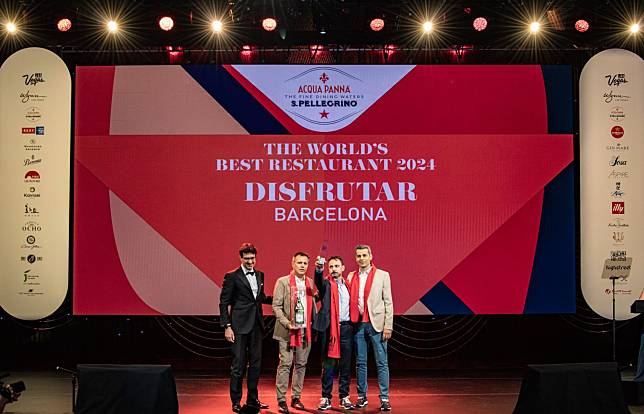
x=319, y=262
x=229, y=334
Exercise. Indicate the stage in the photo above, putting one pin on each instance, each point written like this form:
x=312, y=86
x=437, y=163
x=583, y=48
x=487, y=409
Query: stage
x=447, y=393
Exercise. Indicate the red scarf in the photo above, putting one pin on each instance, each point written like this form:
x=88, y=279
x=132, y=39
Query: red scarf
x=355, y=292
x=296, y=334
x=334, y=337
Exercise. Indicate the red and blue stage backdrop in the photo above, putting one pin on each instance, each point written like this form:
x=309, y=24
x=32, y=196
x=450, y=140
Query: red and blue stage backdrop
x=460, y=178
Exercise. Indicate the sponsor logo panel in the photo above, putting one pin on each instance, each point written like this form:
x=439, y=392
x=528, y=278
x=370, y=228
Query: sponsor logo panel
x=32, y=227
x=33, y=78
x=617, y=207
x=611, y=96
x=616, y=79
x=616, y=114
x=30, y=96
x=33, y=114
x=617, y=131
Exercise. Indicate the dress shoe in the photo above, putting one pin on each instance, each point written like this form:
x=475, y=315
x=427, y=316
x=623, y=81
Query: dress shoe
x=257, y=404
x=236, y=408
x=296, y=403
x=283, y=407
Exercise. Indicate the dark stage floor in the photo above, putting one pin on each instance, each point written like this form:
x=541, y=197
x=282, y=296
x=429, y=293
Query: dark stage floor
x=50, y=393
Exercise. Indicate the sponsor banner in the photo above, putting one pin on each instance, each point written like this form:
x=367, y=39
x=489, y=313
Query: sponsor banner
x=35, y=118
x=611, y=97
x=323, y=98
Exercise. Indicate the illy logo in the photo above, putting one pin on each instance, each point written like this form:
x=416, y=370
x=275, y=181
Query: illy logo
x=618, y=207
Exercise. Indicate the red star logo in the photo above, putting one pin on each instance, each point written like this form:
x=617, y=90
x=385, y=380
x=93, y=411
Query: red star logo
x=324, y=114
x=324, y=78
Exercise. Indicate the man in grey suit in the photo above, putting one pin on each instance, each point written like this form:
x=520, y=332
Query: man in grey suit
x=294, y=299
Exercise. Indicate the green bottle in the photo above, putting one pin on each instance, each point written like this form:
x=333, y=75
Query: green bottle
x=299, y=312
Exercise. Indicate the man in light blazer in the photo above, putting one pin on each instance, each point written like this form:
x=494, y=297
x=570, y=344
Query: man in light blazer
x=372, y=312
x=240, y=307
x=294, y=339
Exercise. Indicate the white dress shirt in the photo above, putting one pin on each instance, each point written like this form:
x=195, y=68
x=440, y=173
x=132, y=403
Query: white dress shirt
x=344, y=299
x=363, y=283
x=250, y=276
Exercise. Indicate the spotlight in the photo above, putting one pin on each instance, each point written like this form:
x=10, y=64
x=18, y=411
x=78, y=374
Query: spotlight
x=11, y=27
x=554, y=19
x=269, y=24
x=217, y=26
x=166, y=23
x=246, y=53
x=64, y=25
x=428, y=26
x=377, y=25
x=635, y=28
x=112, y=26
x=480, y=23
x=315, y=49
x=535, y=27
x=582, y=25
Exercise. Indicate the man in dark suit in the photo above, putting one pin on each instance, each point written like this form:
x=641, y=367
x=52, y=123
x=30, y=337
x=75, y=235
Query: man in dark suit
x=240, y=307
x=335, y=331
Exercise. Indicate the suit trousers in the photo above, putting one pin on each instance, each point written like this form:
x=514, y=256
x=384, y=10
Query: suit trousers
x=247, y=352
x=284, y=369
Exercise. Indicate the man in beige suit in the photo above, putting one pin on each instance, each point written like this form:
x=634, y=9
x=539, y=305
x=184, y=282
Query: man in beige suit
x=294, y=308
x=372, y=312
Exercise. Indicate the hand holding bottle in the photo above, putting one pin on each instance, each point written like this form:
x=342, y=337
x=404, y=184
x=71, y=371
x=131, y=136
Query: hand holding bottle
x=319, y=262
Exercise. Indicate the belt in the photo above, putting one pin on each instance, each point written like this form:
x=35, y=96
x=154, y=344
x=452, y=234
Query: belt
x=346, y=323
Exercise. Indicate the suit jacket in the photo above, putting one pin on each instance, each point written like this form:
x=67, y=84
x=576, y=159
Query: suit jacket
x=380, y=303
x=323, y=319
x=245, y=309
x=282, y=308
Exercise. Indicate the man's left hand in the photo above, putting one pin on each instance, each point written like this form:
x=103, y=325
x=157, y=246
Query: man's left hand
x=386, y=334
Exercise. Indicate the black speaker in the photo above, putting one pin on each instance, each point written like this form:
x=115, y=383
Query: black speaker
x=591, y=388
x=633, y=390
x=126, y=389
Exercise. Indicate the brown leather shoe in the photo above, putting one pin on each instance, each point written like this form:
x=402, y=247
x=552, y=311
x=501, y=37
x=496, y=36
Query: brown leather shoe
x=296, y=403
x=283, y=407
